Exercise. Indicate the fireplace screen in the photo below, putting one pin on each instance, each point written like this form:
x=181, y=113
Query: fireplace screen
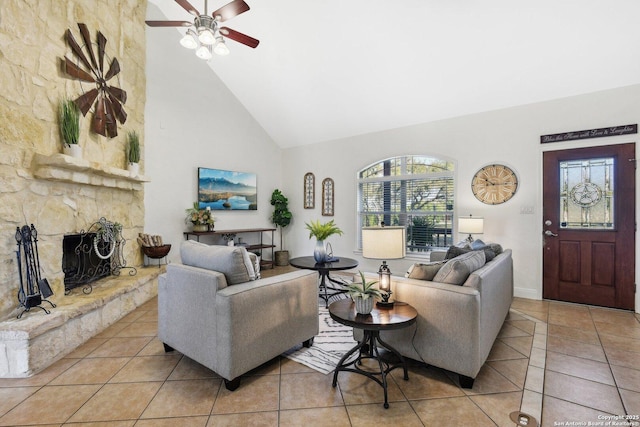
x=81, y=264
x=91, y=255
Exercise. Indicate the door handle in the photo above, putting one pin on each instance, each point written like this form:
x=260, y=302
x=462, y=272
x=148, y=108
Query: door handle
x=550, y=233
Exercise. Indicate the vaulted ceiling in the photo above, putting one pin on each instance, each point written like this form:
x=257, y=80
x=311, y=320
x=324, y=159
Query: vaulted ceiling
x=328, y=69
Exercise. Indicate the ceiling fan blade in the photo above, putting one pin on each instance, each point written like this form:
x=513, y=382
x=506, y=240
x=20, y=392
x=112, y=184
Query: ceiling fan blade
x=118, y=110
x=239, y=37
x=87, y=42
x=187, y=6
x=114, y=69
x=169, y=23
x=99, y=118
x=102, y=42
x=112, y=126
x=85, y=101
x=77, y=49
x=230, y=10
x=74, y=71
x=118, y=94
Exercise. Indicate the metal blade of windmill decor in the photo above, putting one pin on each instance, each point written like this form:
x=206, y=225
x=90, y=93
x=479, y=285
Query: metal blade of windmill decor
x=34, y=290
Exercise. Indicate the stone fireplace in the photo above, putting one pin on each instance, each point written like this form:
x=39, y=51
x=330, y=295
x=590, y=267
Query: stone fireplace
x=57, y=193
x=37, y=339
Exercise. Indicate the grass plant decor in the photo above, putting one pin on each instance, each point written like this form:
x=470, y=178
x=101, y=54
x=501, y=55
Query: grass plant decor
x=133, y=147
x=363, y=289
x=322, y=231
x=69, y=122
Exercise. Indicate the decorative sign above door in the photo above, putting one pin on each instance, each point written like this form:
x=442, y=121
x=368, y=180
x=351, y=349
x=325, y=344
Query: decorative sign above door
x=590, y=133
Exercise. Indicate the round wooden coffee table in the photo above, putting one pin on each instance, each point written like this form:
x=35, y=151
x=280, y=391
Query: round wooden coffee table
x=401, y=315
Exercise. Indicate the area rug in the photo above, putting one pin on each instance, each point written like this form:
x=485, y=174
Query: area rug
x=331, y=343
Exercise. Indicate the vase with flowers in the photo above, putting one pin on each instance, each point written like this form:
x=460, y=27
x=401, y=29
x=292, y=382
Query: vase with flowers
x=202, y=219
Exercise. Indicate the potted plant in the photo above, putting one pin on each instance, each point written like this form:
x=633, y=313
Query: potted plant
x=321, y=232
x=202, y=219
x=69, y=117
x=363, y=294
x=281, y=217
x=133, y=153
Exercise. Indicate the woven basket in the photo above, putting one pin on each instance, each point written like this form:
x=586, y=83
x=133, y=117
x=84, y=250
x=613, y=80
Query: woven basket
x=156, y=251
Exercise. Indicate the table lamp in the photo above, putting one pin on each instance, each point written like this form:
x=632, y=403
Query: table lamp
x=470, y=225
x=384, y=243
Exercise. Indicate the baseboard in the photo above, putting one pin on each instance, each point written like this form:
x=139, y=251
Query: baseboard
x=527, y=293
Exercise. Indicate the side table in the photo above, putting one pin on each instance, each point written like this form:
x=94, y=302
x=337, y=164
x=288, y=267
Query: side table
x=401, y=315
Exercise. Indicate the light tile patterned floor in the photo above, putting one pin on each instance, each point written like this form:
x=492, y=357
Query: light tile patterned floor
x=584, y=363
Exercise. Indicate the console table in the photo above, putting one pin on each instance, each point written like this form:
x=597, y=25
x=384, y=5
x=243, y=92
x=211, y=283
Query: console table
x=257, y=247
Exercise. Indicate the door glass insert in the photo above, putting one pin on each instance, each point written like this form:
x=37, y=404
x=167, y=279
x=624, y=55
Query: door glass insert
x=586, y=194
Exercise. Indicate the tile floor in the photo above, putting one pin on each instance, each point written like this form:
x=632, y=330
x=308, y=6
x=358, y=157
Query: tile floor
x=590, y=360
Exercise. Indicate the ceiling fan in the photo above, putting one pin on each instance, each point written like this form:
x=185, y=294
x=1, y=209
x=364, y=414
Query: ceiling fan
x=205, y=33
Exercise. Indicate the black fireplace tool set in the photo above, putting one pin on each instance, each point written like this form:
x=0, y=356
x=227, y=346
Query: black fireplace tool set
x=34, y=290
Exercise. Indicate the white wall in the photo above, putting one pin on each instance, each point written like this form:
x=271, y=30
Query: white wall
x=510, y=136
x=192, y=120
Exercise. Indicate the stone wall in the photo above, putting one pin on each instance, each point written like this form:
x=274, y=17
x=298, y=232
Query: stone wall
x=32, y=47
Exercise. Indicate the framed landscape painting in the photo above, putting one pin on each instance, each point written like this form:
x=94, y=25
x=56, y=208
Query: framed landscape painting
x=227, y=190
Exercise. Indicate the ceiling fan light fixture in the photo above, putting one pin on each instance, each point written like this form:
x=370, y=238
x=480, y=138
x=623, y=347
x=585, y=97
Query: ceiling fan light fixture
x=189, y=40
x=204, y=52
x=207, y=27
x=221, y=47
x=206, y=37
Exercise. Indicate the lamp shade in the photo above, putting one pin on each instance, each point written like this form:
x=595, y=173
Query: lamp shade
x=384, y=242
x=470, y=225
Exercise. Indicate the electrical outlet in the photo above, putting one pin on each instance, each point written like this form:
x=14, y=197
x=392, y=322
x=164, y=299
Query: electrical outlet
x=527, y=210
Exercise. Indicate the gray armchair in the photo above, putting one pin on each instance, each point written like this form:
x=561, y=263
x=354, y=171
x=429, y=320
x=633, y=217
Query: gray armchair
x=232, y=327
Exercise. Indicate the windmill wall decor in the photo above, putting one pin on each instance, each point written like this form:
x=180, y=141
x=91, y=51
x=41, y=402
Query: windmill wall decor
x=109, y=99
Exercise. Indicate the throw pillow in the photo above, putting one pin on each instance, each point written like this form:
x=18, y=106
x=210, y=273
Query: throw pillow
x=255, y=261
x=496, y=248
x=457, y=270
x=455, y=251
x=424, y=271
x=232, y=261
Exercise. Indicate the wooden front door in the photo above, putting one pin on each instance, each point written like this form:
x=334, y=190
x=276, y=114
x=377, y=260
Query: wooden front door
x=589, y=225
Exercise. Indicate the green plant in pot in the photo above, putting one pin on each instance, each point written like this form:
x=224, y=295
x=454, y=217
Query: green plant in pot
x=69, y=120
x=281, y=217
x=133, y=153
x=321, y=232
x=364, y=294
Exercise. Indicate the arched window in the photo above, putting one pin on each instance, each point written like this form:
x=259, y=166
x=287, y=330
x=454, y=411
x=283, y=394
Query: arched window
x=411, y=191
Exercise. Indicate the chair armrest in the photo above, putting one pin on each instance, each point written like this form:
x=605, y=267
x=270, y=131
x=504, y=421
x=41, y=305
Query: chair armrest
x=187, y=310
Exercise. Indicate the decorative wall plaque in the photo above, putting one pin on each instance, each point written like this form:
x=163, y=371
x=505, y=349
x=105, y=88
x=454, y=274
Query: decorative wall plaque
x=590, y=133
x=309, y=191
x=327, y=197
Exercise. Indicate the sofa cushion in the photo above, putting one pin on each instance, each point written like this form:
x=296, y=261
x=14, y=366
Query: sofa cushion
x=424, y=271
x=457, y=270
x=455, y=251
x=232, y=261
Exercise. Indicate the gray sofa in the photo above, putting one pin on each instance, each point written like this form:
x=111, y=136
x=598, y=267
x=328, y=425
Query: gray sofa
x=212, y=309
x=457, y=324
